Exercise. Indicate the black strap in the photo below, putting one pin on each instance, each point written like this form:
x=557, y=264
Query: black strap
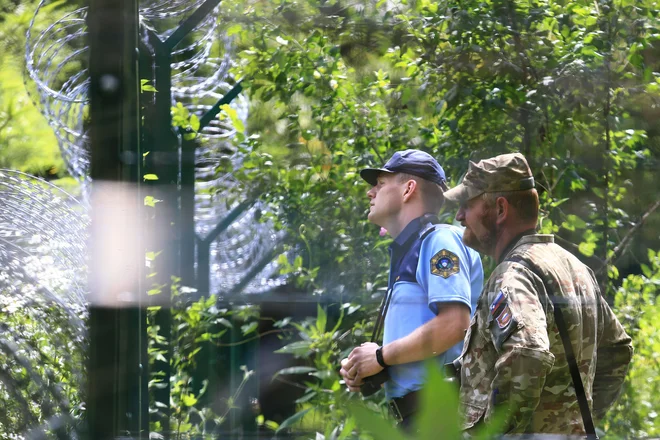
x=575, y=373
x=382, y=311
x=570, y=355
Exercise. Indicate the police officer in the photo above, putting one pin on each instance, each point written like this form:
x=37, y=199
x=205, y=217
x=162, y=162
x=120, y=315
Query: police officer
x=515, y=357
x=434, y=280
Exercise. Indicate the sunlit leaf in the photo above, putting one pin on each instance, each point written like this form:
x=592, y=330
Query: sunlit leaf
x=295, y=370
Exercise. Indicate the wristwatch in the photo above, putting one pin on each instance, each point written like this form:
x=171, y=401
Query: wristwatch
x=379, y=357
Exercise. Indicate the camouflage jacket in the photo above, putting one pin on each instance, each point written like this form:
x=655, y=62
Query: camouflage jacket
x=513, y=358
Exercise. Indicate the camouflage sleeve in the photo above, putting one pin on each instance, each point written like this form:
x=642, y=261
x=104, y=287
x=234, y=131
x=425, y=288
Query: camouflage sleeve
x=613, y=357
x=517, y=324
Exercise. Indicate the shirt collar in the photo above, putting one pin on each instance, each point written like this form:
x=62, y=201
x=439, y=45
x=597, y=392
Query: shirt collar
x=408, y=232
x=527, y=237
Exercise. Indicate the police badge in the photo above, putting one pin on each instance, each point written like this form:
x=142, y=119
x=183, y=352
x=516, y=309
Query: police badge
x=445, y=263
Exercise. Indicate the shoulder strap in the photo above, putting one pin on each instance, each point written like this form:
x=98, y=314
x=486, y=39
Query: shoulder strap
x=568, y=348
x=430, y=223
x=425, y=231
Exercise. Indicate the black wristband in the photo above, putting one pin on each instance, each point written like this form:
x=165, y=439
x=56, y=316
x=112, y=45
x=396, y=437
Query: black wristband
x=379, y=357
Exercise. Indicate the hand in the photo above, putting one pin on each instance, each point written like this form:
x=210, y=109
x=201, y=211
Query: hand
x=352, y=384
x=362, y=362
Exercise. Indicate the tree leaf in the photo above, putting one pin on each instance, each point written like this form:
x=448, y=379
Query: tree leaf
x=194, y=122
x=321, y=319
x=189, y=400
x=298, y=348
x=295, y=370
x=373, y=423
x=293, y=419
x=249, y=328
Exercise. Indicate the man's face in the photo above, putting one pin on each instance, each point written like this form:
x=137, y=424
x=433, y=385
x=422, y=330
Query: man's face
x=480, y=225
x=385, y=199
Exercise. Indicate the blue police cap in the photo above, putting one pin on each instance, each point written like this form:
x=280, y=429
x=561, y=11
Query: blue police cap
x=415, y=162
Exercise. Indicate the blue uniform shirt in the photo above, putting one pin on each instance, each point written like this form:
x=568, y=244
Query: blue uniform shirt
x=426, y=271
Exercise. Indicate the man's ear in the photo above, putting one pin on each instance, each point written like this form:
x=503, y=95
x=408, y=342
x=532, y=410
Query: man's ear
x=502, y=210
x=411, y=187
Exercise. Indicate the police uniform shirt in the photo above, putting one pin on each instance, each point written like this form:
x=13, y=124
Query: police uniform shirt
x=426, y=271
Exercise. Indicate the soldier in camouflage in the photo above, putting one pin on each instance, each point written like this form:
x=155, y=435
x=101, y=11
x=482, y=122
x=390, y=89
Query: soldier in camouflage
x=513, y=360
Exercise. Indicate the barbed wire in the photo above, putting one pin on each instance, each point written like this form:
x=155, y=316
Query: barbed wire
x=56, y=62
x=43, y=278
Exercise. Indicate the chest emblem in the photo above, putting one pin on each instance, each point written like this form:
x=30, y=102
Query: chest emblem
x=445, y=264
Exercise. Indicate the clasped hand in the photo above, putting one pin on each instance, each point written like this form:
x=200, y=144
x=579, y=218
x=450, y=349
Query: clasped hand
x=359, y=364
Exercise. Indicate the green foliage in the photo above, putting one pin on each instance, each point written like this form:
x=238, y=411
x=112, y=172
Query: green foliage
x=636, y=413
x=197, y=325
x=42, y=344
x=146, y=87
x=461, y=81
x=237, y=123
x=324, y=406
x=335, y=88
x=27, y=142
x=318, y=121
x=182, y=119
x=41, y=360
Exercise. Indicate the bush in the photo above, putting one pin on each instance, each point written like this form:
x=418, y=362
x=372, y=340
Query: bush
x=636, y=413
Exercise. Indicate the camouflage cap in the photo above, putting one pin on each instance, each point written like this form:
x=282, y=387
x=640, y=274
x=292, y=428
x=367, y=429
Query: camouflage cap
x=506, y=172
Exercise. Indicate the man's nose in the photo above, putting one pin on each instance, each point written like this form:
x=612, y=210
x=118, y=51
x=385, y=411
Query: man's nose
x=460, y=215
x=371, y=193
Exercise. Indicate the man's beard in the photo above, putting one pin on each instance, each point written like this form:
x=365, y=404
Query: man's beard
x=486, y=241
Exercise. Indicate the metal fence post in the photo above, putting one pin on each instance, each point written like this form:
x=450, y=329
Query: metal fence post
x=116, y=397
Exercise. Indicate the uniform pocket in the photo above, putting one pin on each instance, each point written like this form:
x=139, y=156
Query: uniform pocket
x=472, y=414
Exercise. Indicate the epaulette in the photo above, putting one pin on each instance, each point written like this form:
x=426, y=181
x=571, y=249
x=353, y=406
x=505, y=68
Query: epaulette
x=431, y=221
x=426, y=230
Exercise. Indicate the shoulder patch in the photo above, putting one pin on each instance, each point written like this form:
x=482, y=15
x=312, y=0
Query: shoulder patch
x=498, y=304
x=445, y=264
x=502, y=320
